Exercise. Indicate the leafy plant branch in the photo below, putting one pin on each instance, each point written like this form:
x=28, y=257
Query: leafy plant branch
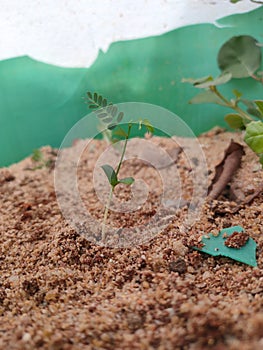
x=111, y=118
x=239, y=57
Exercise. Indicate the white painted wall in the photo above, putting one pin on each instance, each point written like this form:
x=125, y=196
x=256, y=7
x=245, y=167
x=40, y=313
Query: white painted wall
x=70, y=32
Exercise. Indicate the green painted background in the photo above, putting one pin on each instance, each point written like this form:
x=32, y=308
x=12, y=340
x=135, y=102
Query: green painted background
x=39, y=102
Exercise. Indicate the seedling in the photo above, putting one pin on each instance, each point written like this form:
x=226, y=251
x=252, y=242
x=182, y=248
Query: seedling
x=110, y=117
x=239, y=57
x=39, y=160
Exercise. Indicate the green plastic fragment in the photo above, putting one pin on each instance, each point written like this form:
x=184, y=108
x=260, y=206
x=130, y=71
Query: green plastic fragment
x=215, y=246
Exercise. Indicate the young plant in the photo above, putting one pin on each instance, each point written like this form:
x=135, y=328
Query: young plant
x=110, y=117
x=239, y=57
x=39, y=160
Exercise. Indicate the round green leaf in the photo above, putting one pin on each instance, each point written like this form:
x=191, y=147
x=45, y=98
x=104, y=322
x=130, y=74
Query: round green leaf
x=254, y=136
x=235, y=121
x=239, y=56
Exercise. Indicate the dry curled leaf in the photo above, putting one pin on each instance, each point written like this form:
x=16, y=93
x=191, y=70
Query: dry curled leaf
x=226, y=169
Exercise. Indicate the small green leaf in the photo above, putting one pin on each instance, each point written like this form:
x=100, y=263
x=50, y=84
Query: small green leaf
x=235, y=121
x=237, y=93
x=114, y=111
x=120, y=117
x=111, y=174
x=222, y=79
x=112, y=126
x=127, y=181
x=89, y=94
x=198, y=80
x=207, y=97
x=259, y=104
x=149, y=128
x=254, y=111
x=146, y=123
x=254, y=136
x=247, y=103
x=100, y=100
x=104, y=102
x=91, y=106
x=251, y=107
x=120, y=132
x=95, y=96
x=37, y=155
x=215, y=246
x=109, y=109
x=239, y=56
x=101, y=115
x=107, y=120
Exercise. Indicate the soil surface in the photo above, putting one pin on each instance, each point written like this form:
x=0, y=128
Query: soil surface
x=61, y=288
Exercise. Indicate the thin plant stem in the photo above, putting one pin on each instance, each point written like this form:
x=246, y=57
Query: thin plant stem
x=103, y=232
x=254, y=76
x=230, y=105
x=124, y=149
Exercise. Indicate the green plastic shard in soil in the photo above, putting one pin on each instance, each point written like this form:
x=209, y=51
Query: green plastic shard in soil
x=233, y=243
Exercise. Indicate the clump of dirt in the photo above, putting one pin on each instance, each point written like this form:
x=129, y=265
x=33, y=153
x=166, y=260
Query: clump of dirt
x=237, y=240
x=59, y=289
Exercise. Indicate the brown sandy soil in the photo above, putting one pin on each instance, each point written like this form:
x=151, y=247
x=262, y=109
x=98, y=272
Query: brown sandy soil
x=59, y=290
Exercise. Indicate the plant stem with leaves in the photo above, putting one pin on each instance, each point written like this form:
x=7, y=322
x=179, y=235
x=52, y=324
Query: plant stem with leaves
x=239, y=57
x=111, y=118
x=112, y=176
